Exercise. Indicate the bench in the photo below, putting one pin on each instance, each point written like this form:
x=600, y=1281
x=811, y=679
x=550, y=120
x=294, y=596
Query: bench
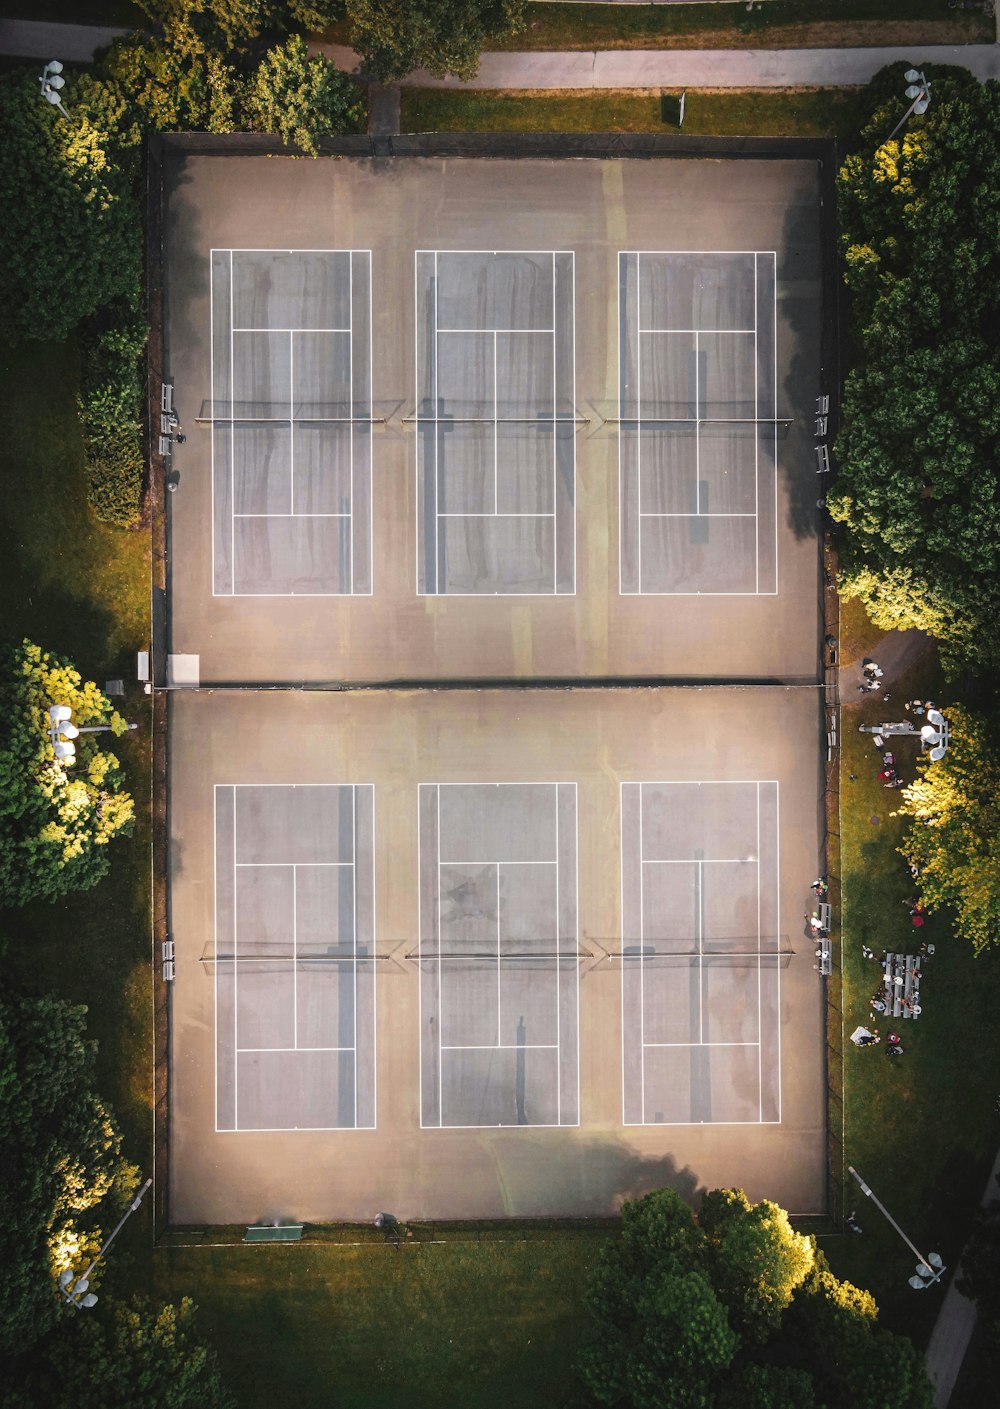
x=822, y=459
x=168, y=970
x=165, y=444
x=901, y=989
x=824, y=953
x=821, y=424
x=266, y=1233
x=825, y=912
x=167, y=397
x=822, y=405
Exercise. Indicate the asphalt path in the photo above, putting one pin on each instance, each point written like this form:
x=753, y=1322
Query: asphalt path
x=621, y=68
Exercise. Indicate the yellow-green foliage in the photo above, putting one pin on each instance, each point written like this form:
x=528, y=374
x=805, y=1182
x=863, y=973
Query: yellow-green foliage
x=55, y=820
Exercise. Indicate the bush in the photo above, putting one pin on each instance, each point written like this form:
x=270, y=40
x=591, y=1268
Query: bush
x=111, y=397
x=70, y=238
x=302, y=99
x=55, y=821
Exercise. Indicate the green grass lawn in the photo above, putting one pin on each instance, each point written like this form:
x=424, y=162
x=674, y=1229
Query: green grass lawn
x=921, y=1129
x=81, y=589
x=777, y=24
x=483, y=1325
x=812, y=112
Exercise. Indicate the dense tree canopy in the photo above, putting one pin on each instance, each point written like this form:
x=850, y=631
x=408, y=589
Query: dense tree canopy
x=62, y=1159
x=444, y=36
x=69, y=235
x=56, y=820
x=919, y=449
x=301, y=99
x=123, y=1356
x=735, y=1311
x=954, y=833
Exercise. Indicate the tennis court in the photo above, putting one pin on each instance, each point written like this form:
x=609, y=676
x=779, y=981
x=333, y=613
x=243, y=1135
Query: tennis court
x=495, y=422
x=499, y=985
x=294, y=957
x=698, y=407
x=702, y=953
x=291, y=422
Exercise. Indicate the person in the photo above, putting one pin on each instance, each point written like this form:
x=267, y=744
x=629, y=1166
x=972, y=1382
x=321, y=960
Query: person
x=868, y=1041
x=893, y=1039
x=894, y=1051
x=820, y=887
x=886, y=773
x=867, y=953
x=878, y=1006
x=888, y=759
x=817, y=924
x=853, y=1223
x=917, y=919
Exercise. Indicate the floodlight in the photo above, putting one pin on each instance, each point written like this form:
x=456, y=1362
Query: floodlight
x=68, y=731
x=89, y=1300
x=66, y=1277
x=929, y=734
x=935, y=716
x=935, y=1260
x=81, y=1286
x=937, y=754
x=57, y=82
x=54, y=66
x=912, y=74
x=63, y=750
x=914, y=90
x=917, y=1283
x=57, y=713
x=51, y=97
x=921, y=107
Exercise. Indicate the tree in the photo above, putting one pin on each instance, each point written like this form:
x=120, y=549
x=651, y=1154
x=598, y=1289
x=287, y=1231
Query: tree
x=757, y=1259
x=302, y=99
x=954, y=834
x=124, y=1356
x=734, y=1311
x=918, y=489
x=69, y=239
x=55, y=821
x=444, y=36
x=232, y=23
x=62, y=1160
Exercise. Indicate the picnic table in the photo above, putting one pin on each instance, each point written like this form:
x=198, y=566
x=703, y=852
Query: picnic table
x=900, y=989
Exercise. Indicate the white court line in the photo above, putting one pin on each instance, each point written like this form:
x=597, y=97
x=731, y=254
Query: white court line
x=215, y=929
x=503, y=1047
x=642, y=974
x=309, y=515
x=623, y=255
x=350, y=482
x=504, y=515
x=716, y=332
x=558, y=935
x=501, y=960
x=232, y=452
x=760, y=1029
x=243, y=420
x=638, y=474
x=485, y=332
x=244, y=1050
x=701, y=1044
x=697, y=515
x=756, y=444
x=236, y=967
x=704, y=959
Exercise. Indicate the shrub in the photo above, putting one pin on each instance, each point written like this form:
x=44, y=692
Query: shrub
x=111, y=398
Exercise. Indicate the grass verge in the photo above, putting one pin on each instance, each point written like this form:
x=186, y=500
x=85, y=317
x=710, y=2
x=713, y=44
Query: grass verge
x=801, y=112
x=921, y=1129
x=484, y=1324
x=81, y=588
x=777, y=24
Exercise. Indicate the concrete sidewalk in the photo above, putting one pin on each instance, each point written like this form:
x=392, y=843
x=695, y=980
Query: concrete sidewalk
x=690, y=68
x=955, y=1324
x=613, y=68
x=74, y=43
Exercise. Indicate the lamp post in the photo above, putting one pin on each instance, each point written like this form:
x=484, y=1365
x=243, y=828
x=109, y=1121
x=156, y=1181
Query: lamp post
x=75, y=1290
x=62, y=732
x=934, y=736
x=50, y=82
x=919, y=89
x=929, y=1269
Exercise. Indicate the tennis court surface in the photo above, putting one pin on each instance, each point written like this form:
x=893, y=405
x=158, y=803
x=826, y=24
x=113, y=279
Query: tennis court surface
x=479, y=420
x=563, y=942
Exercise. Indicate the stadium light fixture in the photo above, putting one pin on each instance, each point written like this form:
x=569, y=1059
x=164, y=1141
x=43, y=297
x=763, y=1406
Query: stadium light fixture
x=76, y=1290
x=62, y=732
x=919, y=90
x=930, y=1269
x=50, y=82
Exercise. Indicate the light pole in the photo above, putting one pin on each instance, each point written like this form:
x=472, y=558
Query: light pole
x=930, y=1269
x=919, y=89
x=75, y=1290
x=51, y=81
x=62, y=732
x=934, y=736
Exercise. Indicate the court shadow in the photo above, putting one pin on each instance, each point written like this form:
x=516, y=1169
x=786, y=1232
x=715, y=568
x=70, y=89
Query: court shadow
x=584, y=1178
x=807, y=279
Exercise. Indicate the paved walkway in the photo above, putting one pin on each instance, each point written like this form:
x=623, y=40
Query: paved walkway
x=622, y=68
x=691, y=68
x=955, y=1323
